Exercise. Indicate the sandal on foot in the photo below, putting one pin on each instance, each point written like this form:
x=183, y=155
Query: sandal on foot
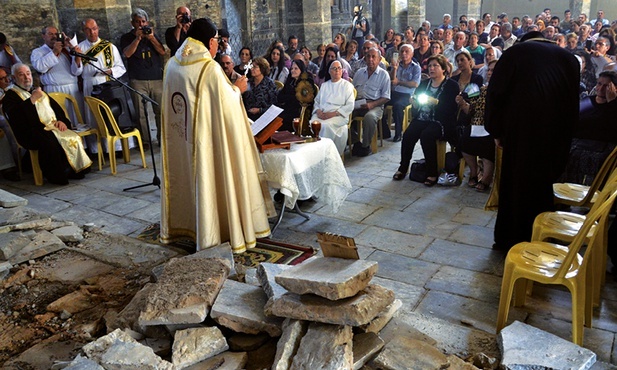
x=398, y=175
x=482, y=187
x=429, y=182
x=473, y=181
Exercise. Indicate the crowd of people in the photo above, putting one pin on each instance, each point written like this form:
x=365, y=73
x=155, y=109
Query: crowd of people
x=443, y=71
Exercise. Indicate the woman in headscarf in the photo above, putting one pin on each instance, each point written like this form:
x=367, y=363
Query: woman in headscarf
x=287, y=99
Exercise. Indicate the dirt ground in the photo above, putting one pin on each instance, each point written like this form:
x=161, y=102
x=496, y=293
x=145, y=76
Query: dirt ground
x=59, y=299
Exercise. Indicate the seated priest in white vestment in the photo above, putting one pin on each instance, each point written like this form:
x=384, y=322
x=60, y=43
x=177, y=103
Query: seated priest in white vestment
x=39, y=123
x=211, y=184
x=333, y=105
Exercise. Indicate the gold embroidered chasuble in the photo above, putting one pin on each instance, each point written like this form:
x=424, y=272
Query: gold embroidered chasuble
x=211, y=187
x=71, y=142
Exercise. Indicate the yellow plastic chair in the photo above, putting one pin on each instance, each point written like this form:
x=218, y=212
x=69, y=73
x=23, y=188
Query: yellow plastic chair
x=279, y=85
x=62, y=99
x=37, y=173
x=102, y=113
x=549, y=263
x=406, y=116
x=441, y=158
x=349, y=143
x=563, y=226
x=581, y=195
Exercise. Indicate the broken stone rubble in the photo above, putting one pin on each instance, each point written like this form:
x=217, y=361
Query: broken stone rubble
x=112, y=360
x=328, y=277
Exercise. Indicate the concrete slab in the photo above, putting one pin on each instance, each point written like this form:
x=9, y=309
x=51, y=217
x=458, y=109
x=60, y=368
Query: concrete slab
x=69, y=233
x=409, y=295
x=224, y=361
x=194, y=345
x=10, y=200
x=472, y=258
x=468, y=283
x=407, y=353
x=185, y=293
x=365, y=346
x=463, y=310
x=325, y=347
x=266, y=273
x=393, y=241
x=353, y=311
x=526, y=347
x=288, y=344
x=240, y=307
x=403, y=269
x=41, y=244
x=328, y=277
x=474, y=235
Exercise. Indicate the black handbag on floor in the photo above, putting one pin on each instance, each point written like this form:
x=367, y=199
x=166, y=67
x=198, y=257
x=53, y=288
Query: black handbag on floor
x=418, y=171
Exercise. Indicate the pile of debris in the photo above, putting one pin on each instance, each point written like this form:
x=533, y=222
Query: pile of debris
x=323, y=313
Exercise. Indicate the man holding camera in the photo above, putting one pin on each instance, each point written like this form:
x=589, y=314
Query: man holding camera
x=175, y=36
x=57, y=68
x=144, y=54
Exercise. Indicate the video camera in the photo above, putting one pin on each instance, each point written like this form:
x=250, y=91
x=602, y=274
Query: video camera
x=60, y=37
x=185, y=19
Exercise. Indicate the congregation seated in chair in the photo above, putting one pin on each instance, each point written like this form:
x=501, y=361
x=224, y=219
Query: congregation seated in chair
x=39, y=123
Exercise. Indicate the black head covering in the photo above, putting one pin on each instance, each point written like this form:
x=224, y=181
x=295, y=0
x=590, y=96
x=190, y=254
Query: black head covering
x=202, y=29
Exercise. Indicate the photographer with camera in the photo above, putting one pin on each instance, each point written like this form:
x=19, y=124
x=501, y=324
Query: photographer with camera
x=144, y=55
x=57, y=68
x=175, y=36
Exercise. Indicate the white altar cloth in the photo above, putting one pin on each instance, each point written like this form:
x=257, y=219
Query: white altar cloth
x=308, y=170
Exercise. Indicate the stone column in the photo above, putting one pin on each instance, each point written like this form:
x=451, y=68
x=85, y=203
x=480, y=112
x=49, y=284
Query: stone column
x=22, y=22
x=399, y=12
x=112, y=16
x=471, y=8
x=317, y=22
x=581, y=6
x=416, y=12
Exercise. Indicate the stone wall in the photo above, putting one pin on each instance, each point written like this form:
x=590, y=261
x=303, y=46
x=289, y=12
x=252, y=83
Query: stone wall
x=258, y=22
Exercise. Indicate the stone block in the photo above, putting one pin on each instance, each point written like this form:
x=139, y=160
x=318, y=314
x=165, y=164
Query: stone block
x=288, y=344
x=525, y=347
x=160, y=346
x=118, y=350
x=5, y=269
x=266, y=273
x=250, y=277
x=11, y=243
x=10, y=200
x=365, y=346
x=186, y=291
x=13, y=216
x=325, y=347
x=83, y=363
x=41, y=244
x=407, y=353
x=74, y=302
x=382, y=319
x=328, y=277
x=353, y=311
x=197, y=344
x=240, y=307
x=40, y=223
x=127, y=318
x=241, y=342
x=69, y=233
x=224, y=361
x=222, y=251
x=456, y=363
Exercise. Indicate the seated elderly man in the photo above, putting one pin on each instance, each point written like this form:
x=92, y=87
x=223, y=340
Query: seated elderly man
x=372, y=84
x=361, y=63
x=405, y=76
x=39, y=123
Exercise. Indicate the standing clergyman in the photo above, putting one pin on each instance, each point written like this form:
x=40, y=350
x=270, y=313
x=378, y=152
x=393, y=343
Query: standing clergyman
x=211, y=187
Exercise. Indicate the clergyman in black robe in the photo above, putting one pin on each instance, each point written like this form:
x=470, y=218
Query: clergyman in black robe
x=531, y=110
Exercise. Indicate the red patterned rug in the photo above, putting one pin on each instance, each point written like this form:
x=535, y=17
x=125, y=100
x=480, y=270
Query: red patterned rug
x=266, y=250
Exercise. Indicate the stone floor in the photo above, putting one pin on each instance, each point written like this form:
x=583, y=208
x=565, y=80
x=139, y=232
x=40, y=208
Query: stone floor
x=432, y=244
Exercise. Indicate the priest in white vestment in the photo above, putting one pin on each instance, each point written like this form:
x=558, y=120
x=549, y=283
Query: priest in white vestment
x=333, y=105
x=211, y=187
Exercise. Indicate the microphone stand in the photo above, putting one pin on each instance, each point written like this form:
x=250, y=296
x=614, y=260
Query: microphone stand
x=156, y=181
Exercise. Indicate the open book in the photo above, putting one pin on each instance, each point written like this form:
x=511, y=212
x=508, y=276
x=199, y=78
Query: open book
x=265, y=119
